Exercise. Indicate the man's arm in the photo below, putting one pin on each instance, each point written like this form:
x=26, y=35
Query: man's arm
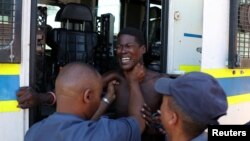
x=28, y=98
x=109, y=76
x=106, y=100
x=136, y=99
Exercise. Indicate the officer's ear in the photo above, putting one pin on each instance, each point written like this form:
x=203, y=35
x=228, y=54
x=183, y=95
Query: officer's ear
x=87, y=96
x=173, y=118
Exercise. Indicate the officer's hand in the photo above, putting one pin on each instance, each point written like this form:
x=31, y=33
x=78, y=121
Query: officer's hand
x=111, y=90
x=152, y=119
x=137, y=74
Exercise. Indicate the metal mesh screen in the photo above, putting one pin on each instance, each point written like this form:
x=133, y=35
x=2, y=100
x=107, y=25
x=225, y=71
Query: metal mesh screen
x=7, y=20
x=243, y=34
x=243, y=49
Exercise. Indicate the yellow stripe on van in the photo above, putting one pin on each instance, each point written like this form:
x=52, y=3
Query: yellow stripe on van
x=9, y=69
x=189, y=68
x=9, y=106
x=238, y=99
x=226, y=73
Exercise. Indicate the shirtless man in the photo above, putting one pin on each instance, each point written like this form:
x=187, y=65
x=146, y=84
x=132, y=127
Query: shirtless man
x=130, y=50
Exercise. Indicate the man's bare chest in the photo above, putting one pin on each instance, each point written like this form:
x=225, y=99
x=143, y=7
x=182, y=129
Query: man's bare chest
x=151, y=98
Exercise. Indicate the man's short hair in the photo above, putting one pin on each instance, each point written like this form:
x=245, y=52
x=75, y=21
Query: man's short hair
x=197, y=127
x=133, y=32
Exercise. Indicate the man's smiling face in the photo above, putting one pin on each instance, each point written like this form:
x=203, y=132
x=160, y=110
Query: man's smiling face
x=129, y=51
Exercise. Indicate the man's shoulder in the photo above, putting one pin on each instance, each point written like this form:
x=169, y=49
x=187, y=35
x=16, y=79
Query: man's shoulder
x=152, y=75
x=113, y=73
x=121, y=128
x=126, y=120
x=123, y=123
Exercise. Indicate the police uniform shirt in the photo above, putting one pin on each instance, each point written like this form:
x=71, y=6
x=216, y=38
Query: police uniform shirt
x=68, y=127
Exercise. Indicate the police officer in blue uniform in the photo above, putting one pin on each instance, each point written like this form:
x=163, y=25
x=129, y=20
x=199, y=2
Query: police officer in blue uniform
x=78, y=91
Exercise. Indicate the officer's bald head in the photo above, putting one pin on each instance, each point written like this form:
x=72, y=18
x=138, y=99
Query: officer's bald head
x=75, y=77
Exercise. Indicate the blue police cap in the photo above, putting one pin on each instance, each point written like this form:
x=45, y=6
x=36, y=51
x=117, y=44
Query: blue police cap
x=198, y=94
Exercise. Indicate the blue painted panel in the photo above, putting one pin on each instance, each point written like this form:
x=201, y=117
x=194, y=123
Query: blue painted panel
x=9, y=84
x=192, y=35
x=234, y=86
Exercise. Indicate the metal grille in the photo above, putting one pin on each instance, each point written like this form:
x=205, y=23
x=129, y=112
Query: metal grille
x=243, y=34
x=7, y=20
x=243, y=42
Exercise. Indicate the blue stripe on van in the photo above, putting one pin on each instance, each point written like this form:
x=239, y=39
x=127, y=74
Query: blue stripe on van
x=236, y=85
x=9, y=84
x=192, y=35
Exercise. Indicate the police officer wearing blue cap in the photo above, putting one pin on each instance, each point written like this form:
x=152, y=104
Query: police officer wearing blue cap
x=191, y=102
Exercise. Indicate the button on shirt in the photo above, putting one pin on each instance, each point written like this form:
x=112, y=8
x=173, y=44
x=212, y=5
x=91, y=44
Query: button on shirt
x=67, y=127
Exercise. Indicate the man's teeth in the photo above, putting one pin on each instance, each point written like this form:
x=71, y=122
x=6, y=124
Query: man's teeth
x=125, y=60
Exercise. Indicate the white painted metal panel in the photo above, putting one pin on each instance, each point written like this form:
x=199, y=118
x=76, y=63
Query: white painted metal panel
x=237, y=114
x=185, y=34
x=215, y=34
x=13, y=125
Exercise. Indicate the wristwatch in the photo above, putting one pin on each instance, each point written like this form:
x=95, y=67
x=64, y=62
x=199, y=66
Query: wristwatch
x=104, y=99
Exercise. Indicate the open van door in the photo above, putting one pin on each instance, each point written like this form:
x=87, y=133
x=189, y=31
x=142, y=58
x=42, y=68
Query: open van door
x=14, y=66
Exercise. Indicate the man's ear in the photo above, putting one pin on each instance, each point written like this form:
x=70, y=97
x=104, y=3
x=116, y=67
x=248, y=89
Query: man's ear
x=173, y=118
x=143, y=49
x=87, y=96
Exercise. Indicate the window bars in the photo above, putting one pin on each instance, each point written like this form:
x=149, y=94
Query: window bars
x=243, y=33
x=10, y=31
x=7, y=26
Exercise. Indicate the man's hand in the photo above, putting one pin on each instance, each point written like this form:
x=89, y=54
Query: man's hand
x=111, y=90
x=152, y=119
x=110, y=76
x=137, y=74
x=110, y=96
x=27, y=97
